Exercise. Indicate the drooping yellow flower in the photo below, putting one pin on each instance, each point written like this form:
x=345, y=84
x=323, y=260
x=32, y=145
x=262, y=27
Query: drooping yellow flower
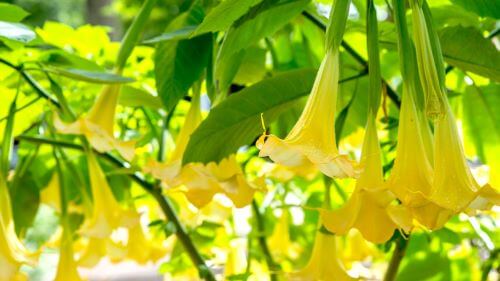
x=355, y=248
x=98, y=125
x=279, y=242
x=453, y=187
x=141, y=248
x=368, y=208
x=13, y=254
x=202, y=182
x=50, y=195
x=107, y=213
x=324, y=264
x=411, y=176
x=168, y=172
x=67, y=269
x=236, y=261
x=312, y=139
x=98, y=248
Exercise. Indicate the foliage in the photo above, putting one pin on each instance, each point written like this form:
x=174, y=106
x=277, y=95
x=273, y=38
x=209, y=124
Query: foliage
x=157, y=136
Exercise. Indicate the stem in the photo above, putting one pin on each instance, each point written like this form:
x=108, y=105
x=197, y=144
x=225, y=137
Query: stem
x=163, y=202
x=273, y=266
x=398, y=254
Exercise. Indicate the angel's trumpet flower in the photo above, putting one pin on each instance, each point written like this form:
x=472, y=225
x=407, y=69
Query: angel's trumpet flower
x=142, y=249
x=107, y=213
x=202, y=182
x=98, y=248
x=168, y=172
x=312, y=140
x=13, y=254
x=453, y=186
x=50, y=195
x=236, y=259
x=368, y=208
x=67, y=267
x=324, y=264
x=412, y=174
x=98, y=125
x=280, y=243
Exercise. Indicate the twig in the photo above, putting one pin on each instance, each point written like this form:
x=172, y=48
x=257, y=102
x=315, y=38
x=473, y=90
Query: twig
x=401, y=243
x=271, y=264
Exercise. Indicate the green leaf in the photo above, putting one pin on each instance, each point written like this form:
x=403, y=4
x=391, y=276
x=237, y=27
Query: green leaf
x=482, y=122
x=132, y=35
x=224, y=15
x=178, y=64
x=12, y=13
x=61, y=58
x=134, y=97
x=179, y=34
x=90, y=76
x=253, y=66
x=237, y=120
x=16, y=32
x=466, y=48
x=484, y=8
x=250, y=29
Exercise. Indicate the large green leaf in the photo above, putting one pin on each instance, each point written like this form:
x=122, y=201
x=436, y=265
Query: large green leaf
x=481, y=121
x=131, y=37
x=485, y=8
x=466, y=48
x=262, y=21
x=237, y=120
x=90, y=76
x=12, y=13
x=224, y=15
x=178, y=64
x=16, y=32
x=179, y=34
x=134, y=97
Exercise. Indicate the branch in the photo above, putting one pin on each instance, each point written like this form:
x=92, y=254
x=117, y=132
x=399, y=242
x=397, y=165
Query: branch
x=401, y=243
x=271, y=264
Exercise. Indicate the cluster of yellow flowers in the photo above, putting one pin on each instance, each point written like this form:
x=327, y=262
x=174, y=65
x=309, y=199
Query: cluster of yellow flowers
x=429, y=183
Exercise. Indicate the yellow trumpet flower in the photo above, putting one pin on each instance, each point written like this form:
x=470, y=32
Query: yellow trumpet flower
x=107, y=214
x=50, y=195
x=98, y=125
x=368, y=208
x=142, y=249
x=236, y=261
x=324, y=264
x=311, y=142
x=279, y=242
x=13, y=254
x=169, y=172
x=202, y=182
x=98, y=248
x=412, y=175
x=67, y=269
x=454, y=186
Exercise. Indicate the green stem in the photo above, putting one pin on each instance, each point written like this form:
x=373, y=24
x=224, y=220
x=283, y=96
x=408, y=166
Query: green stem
x=271, y=264
x=401, y=243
